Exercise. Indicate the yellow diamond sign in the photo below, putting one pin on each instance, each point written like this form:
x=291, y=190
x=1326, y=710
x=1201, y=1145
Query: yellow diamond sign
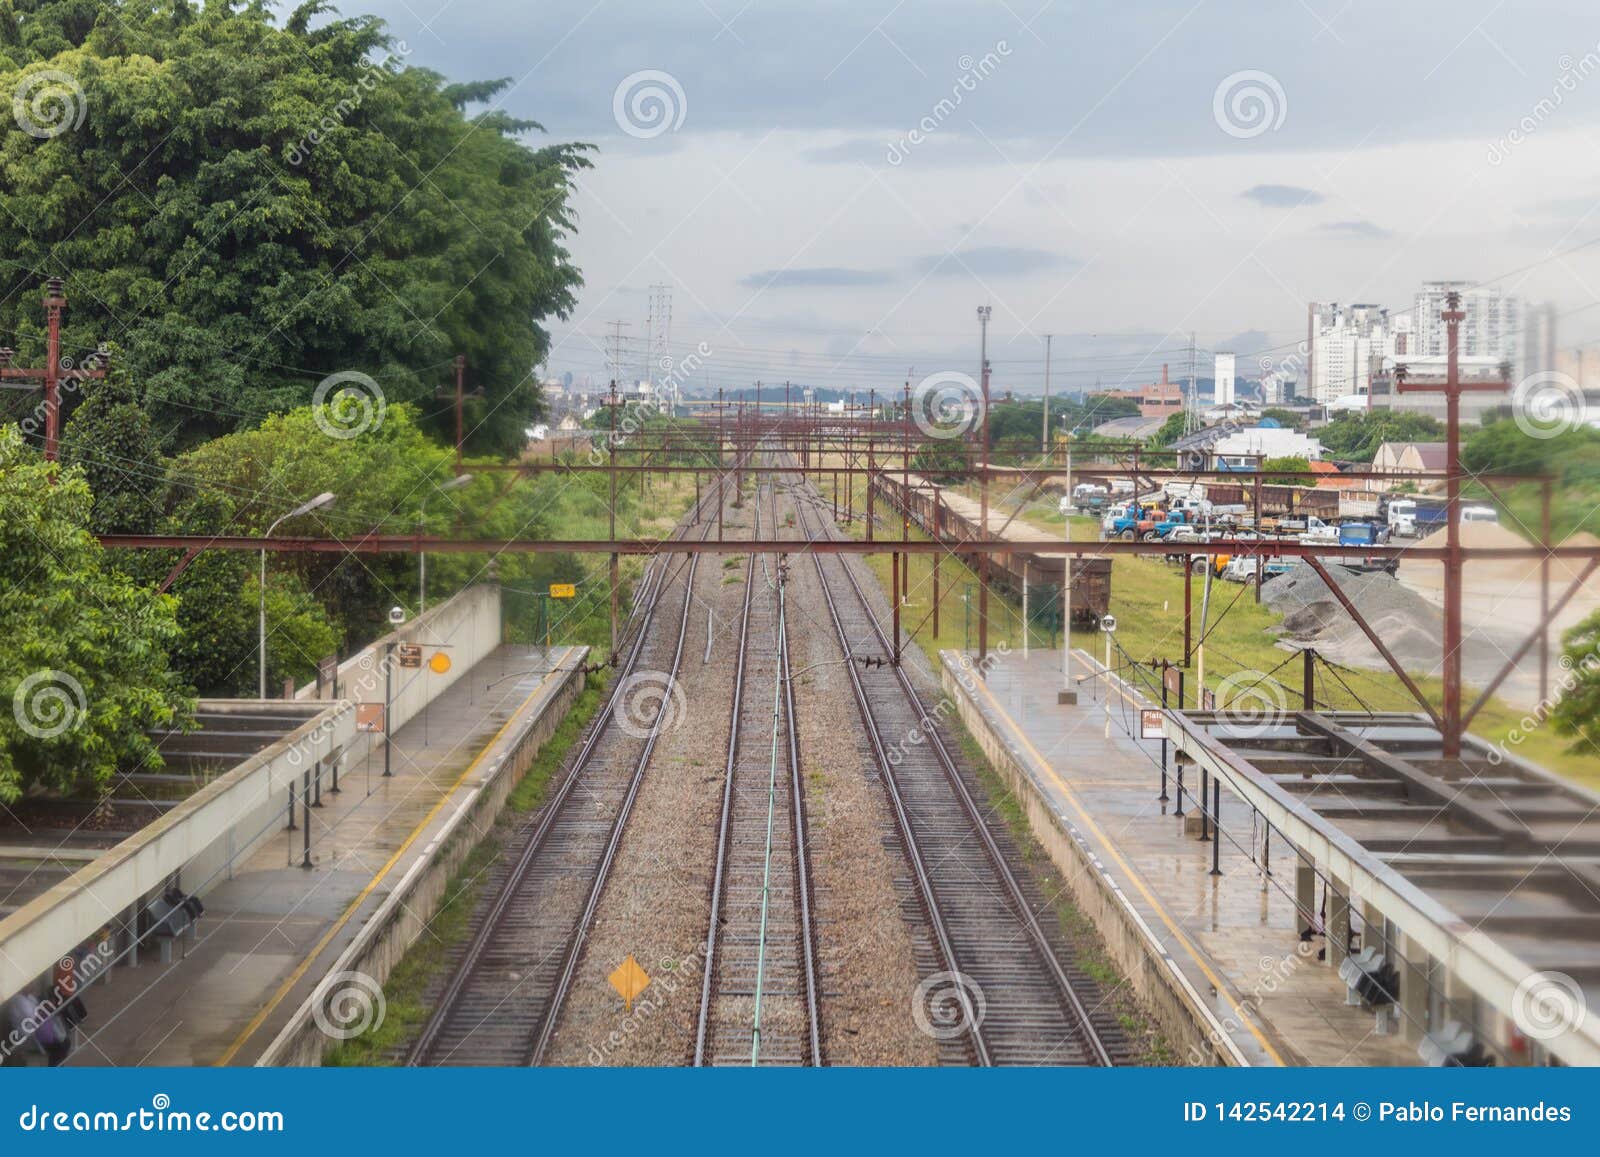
x=629, y=980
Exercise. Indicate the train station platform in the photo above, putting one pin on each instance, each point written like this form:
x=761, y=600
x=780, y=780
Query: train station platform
x=270, y=933
x=1220, y=957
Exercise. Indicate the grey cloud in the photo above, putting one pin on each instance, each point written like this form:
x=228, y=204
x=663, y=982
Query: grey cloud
x=815, y=277
x=1282, y=196
x=994, y=261
x=1365, y=230
x=834, y=65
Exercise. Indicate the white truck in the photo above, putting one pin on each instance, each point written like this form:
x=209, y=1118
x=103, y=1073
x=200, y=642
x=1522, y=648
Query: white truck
x=1403, y=518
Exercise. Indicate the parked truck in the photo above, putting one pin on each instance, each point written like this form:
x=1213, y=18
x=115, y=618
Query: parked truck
x=1143, y=522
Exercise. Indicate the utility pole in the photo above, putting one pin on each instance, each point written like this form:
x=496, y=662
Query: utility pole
x=1044, y=432
x=52, y=375
x=613, y=403
x=1191, y=405
x=1067, y=695
x=461, y=391
x=1452, y=387
x=984, y=313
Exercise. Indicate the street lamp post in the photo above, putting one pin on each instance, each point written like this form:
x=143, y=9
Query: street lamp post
x=1067, y=695
x=1108, y=626
x=321, y=500
x=455, y=483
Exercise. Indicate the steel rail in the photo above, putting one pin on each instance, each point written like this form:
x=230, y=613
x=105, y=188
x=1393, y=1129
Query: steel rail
x=657, y=581
x=574, y=948
x=783, y=687
x=974, y=815
x=944, y=943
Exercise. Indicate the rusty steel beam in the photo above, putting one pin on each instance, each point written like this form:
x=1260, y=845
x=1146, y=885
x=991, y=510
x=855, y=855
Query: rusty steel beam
x=179, y=567
x=1372, y=637
x=410, y=543
x=883, y=450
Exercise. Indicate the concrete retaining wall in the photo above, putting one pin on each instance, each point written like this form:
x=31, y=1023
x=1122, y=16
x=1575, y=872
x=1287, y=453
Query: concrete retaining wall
x=199, y=839
x=401, y=918
x=466, y=627
x=1180, y=1010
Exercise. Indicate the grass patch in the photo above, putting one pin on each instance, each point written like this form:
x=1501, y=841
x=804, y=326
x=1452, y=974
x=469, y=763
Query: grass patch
x=407, y=988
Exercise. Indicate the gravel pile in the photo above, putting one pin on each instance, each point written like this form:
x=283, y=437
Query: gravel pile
x=1409, y=625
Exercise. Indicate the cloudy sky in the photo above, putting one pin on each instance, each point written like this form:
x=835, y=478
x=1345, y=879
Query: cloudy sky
x=831, y=188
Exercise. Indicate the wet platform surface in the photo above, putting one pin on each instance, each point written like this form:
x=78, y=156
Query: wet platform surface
x=269, y=933
x=1235, y=936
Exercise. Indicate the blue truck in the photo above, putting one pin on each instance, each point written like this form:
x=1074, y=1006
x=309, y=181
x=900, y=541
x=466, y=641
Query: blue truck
x=1148, y=523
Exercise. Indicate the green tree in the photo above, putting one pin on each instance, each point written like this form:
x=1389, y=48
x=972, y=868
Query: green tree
x=1356, y=437
x=112, y=440
x=1577, y=712
x=1287, y=462
x=1171, y=430
x=940, y=460
x=1288, y=419
x=84, y=672
x=247, y=207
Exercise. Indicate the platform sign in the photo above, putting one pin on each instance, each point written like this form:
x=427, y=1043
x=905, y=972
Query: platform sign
x=410, y=654
x=563, y=590
x=369, y=717
x=1172, y=678
x=1150, y=722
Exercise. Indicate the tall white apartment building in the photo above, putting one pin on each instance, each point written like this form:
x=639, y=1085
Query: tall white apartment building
x=1343, y=342
x=1224, y=380
x=1349, y=344
x=1490, y=330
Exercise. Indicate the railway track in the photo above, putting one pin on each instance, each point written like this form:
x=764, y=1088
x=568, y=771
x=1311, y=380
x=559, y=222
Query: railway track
x=502, y=1002
x=759, y=996
x=1000, y=988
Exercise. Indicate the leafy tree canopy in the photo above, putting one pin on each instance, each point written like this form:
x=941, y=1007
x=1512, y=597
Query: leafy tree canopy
x=1289, y=462
x=1356, y=437
x=84, y=671
x=245, y=207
